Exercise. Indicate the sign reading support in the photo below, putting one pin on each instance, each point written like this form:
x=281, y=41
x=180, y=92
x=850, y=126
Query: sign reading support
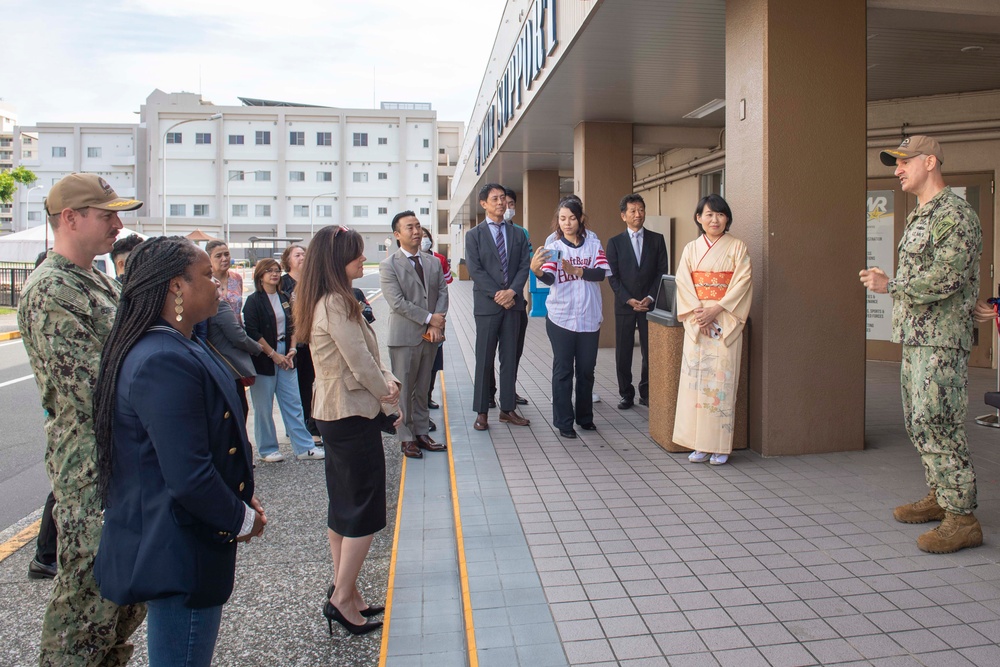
x=881, y=253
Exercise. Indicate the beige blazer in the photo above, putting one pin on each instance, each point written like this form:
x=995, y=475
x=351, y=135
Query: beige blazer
x=350, y=377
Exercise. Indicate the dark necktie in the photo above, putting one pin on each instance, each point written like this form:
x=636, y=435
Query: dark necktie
x=502, y=250
x=419, y=267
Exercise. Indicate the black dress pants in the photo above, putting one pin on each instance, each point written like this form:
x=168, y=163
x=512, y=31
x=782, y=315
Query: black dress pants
x=521, y=333
x=493, y=331
x=45, y=550
x=572, y=350
x=625, y=326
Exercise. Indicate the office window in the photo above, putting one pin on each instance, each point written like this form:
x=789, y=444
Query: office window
x=382, y=141
x=239, y=210
x=360, y=176
x=294, y=176
x=263, y=211
x=324, y=211
x=324, y=176
x=360, y=211
x=324, y=138
x=178, y=210
x=174, y=138
x=58, y=151
x=427, y=178
x=202, y=138
x=5, y=142
x=6, y=155
x=440, y=151
x=236, y=175
x=360, y=138
x=262, y=175
x=263, y=138
x=201, y=210
x=383, y=210
x=94, y=151
x=300, y=211
x=34, y=215
x=383, y=176
x=427, y=143
x=425, y=211
x=27, y=154
x=235, y=139
x=296, y=138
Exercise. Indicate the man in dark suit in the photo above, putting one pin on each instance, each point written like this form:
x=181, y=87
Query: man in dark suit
x=638, y=257
x=414, y=287
x=497, y=258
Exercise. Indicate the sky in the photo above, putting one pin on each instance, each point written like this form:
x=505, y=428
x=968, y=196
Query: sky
x=96, y=62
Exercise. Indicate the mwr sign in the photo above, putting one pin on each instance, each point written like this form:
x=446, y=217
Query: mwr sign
x=536, y=41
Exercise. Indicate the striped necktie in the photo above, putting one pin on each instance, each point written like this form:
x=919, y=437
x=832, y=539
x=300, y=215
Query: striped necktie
x=502, y=250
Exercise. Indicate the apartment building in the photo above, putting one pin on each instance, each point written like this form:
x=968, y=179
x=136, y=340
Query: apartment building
x=8, y=119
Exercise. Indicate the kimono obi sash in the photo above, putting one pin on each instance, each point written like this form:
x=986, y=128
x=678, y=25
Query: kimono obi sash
x=711, y=285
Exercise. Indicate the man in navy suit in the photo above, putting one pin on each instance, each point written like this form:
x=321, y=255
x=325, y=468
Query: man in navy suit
x=497, y=258
x=638, y=258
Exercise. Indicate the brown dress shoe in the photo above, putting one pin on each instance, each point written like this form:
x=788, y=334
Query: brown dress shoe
x=957, y=531
x=513, y=418
x=481, y=422
x=411, y=449
x=924, y=510
x=425, y=442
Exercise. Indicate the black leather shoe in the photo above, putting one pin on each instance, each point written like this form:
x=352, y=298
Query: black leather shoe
x=625, y=404
x=589, y=427
x=520, y=400
x=40, y=570
x=568, y=433
x=432, y=405
x=644, y=402
x=431, y=426
x=493, y=403
x=333, y=614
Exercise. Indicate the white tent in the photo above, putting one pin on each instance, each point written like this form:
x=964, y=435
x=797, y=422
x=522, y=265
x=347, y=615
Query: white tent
x=25, y=246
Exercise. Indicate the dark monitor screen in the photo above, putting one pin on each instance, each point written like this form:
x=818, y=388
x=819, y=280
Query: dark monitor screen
x=666, y=296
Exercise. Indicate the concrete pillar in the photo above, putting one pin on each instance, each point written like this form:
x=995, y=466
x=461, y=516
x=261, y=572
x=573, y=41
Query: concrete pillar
x=606, y=148
x=796, y=182
x=539, y=197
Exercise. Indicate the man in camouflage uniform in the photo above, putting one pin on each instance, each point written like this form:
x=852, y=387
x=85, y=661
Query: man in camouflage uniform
x=934, y=293
x=65, y=314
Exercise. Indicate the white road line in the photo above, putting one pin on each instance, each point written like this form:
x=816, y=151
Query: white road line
x=14, y=342
x=10, y=382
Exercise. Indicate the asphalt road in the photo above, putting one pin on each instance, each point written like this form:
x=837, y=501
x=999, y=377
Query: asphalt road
x=23, y=483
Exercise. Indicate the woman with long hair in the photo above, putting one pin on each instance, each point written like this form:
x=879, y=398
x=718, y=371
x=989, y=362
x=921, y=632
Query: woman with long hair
x=174, y=464
x=292, y=260
x=572, y=264
x=269, y=321
x=354, y=391
x=714, y=291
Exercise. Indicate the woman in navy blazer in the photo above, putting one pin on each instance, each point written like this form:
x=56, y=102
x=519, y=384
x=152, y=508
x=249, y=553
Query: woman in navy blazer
x=174, y=462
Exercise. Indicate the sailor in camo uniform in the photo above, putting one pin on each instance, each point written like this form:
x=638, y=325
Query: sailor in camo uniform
x=934, y=293
x=65, y=314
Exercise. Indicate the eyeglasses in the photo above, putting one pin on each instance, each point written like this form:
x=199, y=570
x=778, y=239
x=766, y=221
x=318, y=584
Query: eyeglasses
x=273, y=271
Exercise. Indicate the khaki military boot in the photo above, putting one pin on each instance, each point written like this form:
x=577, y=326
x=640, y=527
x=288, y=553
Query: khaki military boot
x=922, y=511
x=957, y=531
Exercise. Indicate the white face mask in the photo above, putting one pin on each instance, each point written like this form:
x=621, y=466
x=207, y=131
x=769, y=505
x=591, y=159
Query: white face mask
x=425, y=244
x=508, y=215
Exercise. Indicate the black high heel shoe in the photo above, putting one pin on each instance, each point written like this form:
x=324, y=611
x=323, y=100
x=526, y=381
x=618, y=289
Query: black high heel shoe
x=333, y=614
x=372, y=610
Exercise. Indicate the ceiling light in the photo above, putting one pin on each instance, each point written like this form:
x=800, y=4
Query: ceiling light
x=706, y=109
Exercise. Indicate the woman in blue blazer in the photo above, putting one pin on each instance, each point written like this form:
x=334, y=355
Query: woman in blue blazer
x=174, y=462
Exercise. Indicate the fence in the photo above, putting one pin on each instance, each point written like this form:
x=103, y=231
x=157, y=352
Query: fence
x=12, y=278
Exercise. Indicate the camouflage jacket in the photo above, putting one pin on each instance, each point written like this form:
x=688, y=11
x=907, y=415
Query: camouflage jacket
x=937, y=276
x=65, y=314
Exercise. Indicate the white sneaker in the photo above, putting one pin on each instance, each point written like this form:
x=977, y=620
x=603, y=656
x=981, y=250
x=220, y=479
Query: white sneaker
x=314, y=454
x=276, y=457
x=719, y=459
x=594, y=398
x=698, y=457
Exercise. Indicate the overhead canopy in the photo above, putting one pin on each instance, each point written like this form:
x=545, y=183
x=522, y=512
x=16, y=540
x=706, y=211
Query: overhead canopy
x=198, y=235
x=25, y=246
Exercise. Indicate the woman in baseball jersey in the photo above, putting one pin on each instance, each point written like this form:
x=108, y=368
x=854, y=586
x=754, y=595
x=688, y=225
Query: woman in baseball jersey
x=714, y=291
x=571, y=265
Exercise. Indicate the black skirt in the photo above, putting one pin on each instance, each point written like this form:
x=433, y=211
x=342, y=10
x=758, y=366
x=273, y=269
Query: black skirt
x=355, y=476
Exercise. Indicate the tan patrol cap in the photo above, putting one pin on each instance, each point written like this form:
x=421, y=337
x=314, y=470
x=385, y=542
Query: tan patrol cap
x=78, y=191
x=918, y=144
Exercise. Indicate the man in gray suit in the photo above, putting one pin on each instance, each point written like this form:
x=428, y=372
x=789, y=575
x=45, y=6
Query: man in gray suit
x=497, y=258
x=414, y=287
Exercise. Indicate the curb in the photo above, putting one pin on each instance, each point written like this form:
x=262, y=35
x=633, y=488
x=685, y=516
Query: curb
x=10, y=335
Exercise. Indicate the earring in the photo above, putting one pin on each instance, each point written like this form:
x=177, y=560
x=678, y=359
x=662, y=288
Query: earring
x=179, y=307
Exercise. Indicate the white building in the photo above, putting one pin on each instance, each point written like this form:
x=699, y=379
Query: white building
x=53, y=150
x=277, y=170
x=8, y=119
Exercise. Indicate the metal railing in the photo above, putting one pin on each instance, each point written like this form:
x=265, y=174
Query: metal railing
x=12, y=279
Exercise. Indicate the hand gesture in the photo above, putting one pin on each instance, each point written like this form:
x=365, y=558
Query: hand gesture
x=539, y=258
x=435, y=334
x=392, y=398
x=571, y=270
x=983, y=312
x=437, y=321
x=875, y=280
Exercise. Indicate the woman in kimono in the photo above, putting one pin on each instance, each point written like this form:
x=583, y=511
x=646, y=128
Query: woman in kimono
x=714, y=291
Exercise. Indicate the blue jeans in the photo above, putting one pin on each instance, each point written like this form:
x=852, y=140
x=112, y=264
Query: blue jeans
x=285, y=385
x=178, y=636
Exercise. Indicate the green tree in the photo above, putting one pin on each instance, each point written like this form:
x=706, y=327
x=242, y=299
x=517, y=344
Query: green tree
x=10, y=179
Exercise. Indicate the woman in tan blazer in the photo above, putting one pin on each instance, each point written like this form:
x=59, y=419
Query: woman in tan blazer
x=352, y=386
